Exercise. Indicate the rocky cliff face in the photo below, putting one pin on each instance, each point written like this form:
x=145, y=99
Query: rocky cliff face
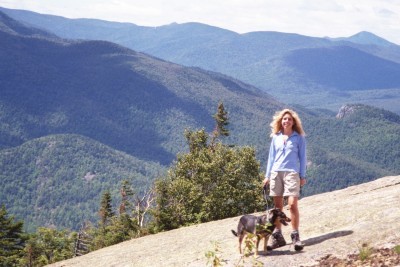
x=346, y=110
x=337, y=223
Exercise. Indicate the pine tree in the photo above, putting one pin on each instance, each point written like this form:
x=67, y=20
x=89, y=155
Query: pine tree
x=221, y=119
x=221, y=122
x=83, y=240
x=47, y=246
x=126, y=198
x=106, y=212
x=12, y=239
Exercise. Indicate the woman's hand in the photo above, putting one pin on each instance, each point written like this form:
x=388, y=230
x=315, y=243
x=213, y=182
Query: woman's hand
x=265, y=181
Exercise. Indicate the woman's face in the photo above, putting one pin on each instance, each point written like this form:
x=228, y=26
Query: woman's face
x=287, y=122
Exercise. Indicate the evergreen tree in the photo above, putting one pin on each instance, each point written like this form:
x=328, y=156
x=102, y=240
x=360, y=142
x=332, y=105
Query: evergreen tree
x=12, y=239
x=105, y=212
x=209, y=185
x=47, y=246
x=213, y=181
x=126, y=198
x=83, y=240
x=221, y=122
x=115, y=229
x=221, y=119
x=196, y=140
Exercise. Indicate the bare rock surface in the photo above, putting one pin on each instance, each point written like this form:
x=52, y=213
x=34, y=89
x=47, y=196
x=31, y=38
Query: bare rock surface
x=333, y=225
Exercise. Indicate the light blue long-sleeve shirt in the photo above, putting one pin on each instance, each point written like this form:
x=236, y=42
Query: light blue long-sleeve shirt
x=287, y=156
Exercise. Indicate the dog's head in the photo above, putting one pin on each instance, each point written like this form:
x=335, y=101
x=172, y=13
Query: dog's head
x=278, y=214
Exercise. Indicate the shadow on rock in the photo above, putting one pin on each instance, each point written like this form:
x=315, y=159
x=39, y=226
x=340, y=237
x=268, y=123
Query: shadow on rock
x=279, y=252
x=322, y=238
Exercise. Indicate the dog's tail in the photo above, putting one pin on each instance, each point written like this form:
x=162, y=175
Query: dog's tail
x=234, y=233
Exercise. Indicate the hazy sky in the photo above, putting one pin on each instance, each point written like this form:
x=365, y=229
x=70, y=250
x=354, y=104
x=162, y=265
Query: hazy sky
x=320, y=18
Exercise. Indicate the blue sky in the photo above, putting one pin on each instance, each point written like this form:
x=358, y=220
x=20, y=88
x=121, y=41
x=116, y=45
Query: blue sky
x=320, y=18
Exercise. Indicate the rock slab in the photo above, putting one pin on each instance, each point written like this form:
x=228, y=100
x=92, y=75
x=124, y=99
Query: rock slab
x=336, y=223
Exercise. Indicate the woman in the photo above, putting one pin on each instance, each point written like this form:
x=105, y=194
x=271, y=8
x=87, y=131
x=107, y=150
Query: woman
x=286, y=170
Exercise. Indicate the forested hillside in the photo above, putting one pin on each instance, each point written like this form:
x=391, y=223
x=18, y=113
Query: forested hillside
x=77, y=117
x=352, y=148
x=58, y=180
x=319, y=72
x=119, y=97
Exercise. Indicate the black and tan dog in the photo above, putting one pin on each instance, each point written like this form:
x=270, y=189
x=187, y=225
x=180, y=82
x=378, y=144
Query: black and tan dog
x=261, y=226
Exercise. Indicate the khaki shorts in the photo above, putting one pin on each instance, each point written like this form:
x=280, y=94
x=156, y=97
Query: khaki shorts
x=284, y=183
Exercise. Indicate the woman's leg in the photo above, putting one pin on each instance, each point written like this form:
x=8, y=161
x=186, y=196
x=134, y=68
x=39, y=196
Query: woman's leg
x=295, y=217
x=278, y=202
x=294, y=212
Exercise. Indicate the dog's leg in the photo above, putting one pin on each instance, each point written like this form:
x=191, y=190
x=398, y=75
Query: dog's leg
x=258, y=242
x=266, y=242
x=240, y=243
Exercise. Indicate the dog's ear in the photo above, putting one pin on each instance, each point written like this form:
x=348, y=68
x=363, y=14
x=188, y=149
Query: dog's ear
x=281, y=214
x=272, y=211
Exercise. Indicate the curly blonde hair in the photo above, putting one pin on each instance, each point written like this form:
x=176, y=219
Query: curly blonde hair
x=276, y=124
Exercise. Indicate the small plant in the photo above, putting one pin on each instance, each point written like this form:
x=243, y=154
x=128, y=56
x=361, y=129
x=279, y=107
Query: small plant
x=214, y=256
x=397, y=249
x=264, y=227
x=249, y=248
x=249, y=245
x=365, y=252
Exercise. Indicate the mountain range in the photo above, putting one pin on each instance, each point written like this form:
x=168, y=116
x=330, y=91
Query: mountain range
x=79, y=116
x=296, y=69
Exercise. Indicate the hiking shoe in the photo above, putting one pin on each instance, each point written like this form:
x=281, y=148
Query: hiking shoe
x=296, y=241
x=277, y=240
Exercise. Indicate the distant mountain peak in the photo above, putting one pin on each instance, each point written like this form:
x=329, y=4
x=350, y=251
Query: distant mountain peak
x=365, y=38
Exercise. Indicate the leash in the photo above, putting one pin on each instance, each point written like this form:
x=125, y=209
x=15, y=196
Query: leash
x=266, y=196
